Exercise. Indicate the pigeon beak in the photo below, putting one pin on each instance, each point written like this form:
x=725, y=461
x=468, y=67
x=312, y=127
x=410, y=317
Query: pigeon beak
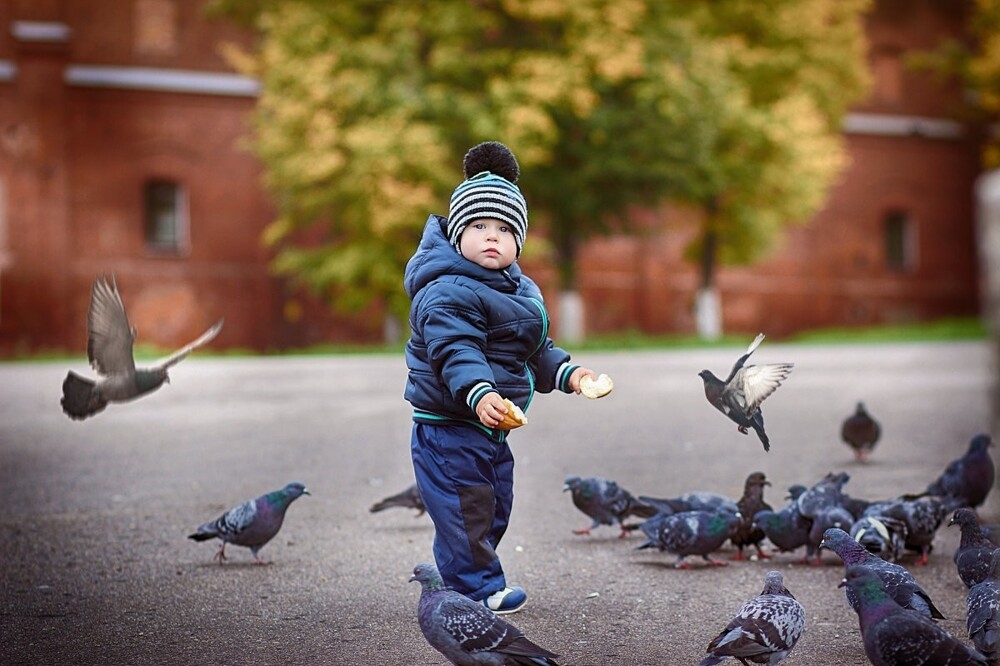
x=305, y=491
x=843, y=582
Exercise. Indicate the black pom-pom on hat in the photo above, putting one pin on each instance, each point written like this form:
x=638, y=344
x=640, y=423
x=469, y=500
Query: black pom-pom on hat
x=494, y=157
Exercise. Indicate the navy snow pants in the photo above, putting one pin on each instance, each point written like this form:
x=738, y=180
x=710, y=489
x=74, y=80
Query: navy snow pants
x=466, y=481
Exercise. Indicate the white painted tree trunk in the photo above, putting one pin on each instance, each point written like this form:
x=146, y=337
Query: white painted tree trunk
x=571, y=317
x=708, y=313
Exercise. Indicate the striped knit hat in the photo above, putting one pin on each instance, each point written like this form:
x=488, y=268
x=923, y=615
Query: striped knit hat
x=489, y=191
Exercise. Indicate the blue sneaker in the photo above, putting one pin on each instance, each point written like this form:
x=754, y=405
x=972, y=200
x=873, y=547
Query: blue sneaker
x=506, y=601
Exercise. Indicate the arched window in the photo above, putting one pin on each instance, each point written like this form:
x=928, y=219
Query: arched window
x=166, y=216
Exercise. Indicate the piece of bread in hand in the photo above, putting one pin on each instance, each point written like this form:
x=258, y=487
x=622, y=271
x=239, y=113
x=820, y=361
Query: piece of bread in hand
x=596, y=388
x=514, y=418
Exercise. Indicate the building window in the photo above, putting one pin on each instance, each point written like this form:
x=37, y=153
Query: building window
x=900, y=246
x=166, y=216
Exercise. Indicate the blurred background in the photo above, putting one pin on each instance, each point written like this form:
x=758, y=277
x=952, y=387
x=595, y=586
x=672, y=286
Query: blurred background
x=691, y=167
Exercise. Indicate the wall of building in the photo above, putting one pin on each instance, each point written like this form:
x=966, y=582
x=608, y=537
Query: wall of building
x=98, y=98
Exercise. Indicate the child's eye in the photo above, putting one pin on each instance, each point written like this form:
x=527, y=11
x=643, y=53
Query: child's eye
x=505, y=229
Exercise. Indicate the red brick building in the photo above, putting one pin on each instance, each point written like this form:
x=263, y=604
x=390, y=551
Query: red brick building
x=120, y=150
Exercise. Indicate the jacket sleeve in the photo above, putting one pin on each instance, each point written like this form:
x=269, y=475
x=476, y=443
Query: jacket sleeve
x=454, y=331
x=552, y=368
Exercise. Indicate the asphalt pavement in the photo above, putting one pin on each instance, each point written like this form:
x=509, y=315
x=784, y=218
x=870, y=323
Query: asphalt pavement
x=96, y=568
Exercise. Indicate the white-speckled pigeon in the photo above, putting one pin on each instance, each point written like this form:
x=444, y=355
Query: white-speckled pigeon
x=740, y=395
x=975, y=550
x=252, y=523
x=466, y=632
x=860, y=432
x=967, y=481
x=752, y=501
x=405, y=499
x=898, y=581
x=983, y=616
x=764, y=629
x=605, y=502
x=109, y=349
x=690, y=533
x=895, y=636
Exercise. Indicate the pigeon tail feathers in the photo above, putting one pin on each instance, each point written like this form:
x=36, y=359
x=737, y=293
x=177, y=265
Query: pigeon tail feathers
x=80, y=400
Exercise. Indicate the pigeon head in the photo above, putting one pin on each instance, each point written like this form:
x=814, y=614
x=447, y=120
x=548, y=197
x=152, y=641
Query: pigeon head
x=775, y=584
x=865, y=584
x=288, y=494
x=980, y=443
x=428, y=576
x=756, y=479
x=571, y=483
x=965, y=518
x=795, y=491
x=840, y=542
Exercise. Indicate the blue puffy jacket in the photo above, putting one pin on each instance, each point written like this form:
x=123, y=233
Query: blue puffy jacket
x=474, y=330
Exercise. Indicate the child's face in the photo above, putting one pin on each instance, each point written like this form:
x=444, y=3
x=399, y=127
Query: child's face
x=489, y=243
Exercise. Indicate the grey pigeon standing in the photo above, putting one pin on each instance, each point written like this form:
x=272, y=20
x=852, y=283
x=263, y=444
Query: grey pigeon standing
x=251, y=524
x=699, y=500
x=740, y=395
x=752, y=501
x=983, y=611
x=408, y=498
x=690, y=533
x=895, y=636
x=966, y=481
x=899, y=583
x=605, y=502
x=787, y=529
x=764, y=629
x=466, y=632
x=860, y=432
x=109, y=348
x=974, y=553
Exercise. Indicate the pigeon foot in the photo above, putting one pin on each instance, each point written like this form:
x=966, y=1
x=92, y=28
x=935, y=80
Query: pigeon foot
x=582, y=532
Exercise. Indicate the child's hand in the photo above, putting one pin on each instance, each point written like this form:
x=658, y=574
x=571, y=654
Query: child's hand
x=490, y=409
x=578, y=374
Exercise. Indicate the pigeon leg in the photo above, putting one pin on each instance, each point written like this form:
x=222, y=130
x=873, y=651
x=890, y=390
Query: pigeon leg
x=738, y=556
x=623, y=533
x=681, y=564
x=715, y=563
x=742, y=429
x=220, y=555
x=582, y=532
x=922, y=561
x=761, y=554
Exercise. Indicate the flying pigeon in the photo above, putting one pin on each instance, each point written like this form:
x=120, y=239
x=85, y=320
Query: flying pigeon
x=749, y=504
x=966, y=481
x=975, y=550
x=880, y=535
x=983, y=616
x=252, y=523
x=466, y=632
x=690, y=533
x=922, y=517
x=605, y=502
x=109, y=349
x=860, y=432
x=406, y=499
x=899, y=583
x=740, y=395
x=895, y=636
x=764, y=629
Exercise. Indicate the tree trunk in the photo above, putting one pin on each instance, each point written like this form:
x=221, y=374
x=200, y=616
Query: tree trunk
x=572, y=319
x=708, y=304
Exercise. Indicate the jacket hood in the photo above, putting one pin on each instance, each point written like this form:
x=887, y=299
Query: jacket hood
x=436, y=256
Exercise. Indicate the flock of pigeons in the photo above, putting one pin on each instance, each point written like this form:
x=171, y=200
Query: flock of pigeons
x=896, y=615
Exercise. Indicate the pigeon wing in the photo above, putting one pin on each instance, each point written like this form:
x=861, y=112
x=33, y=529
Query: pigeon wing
x=181, y=353
x=743, y=359
x=237, y=519
x=754, y=383
x=471, y=625
x=109, y=334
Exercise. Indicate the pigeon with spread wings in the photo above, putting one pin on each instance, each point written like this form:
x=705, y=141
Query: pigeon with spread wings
x=740, y=395
x=109, y=349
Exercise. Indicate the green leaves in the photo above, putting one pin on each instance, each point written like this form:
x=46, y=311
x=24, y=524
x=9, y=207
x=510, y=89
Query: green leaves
x=367, y=108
